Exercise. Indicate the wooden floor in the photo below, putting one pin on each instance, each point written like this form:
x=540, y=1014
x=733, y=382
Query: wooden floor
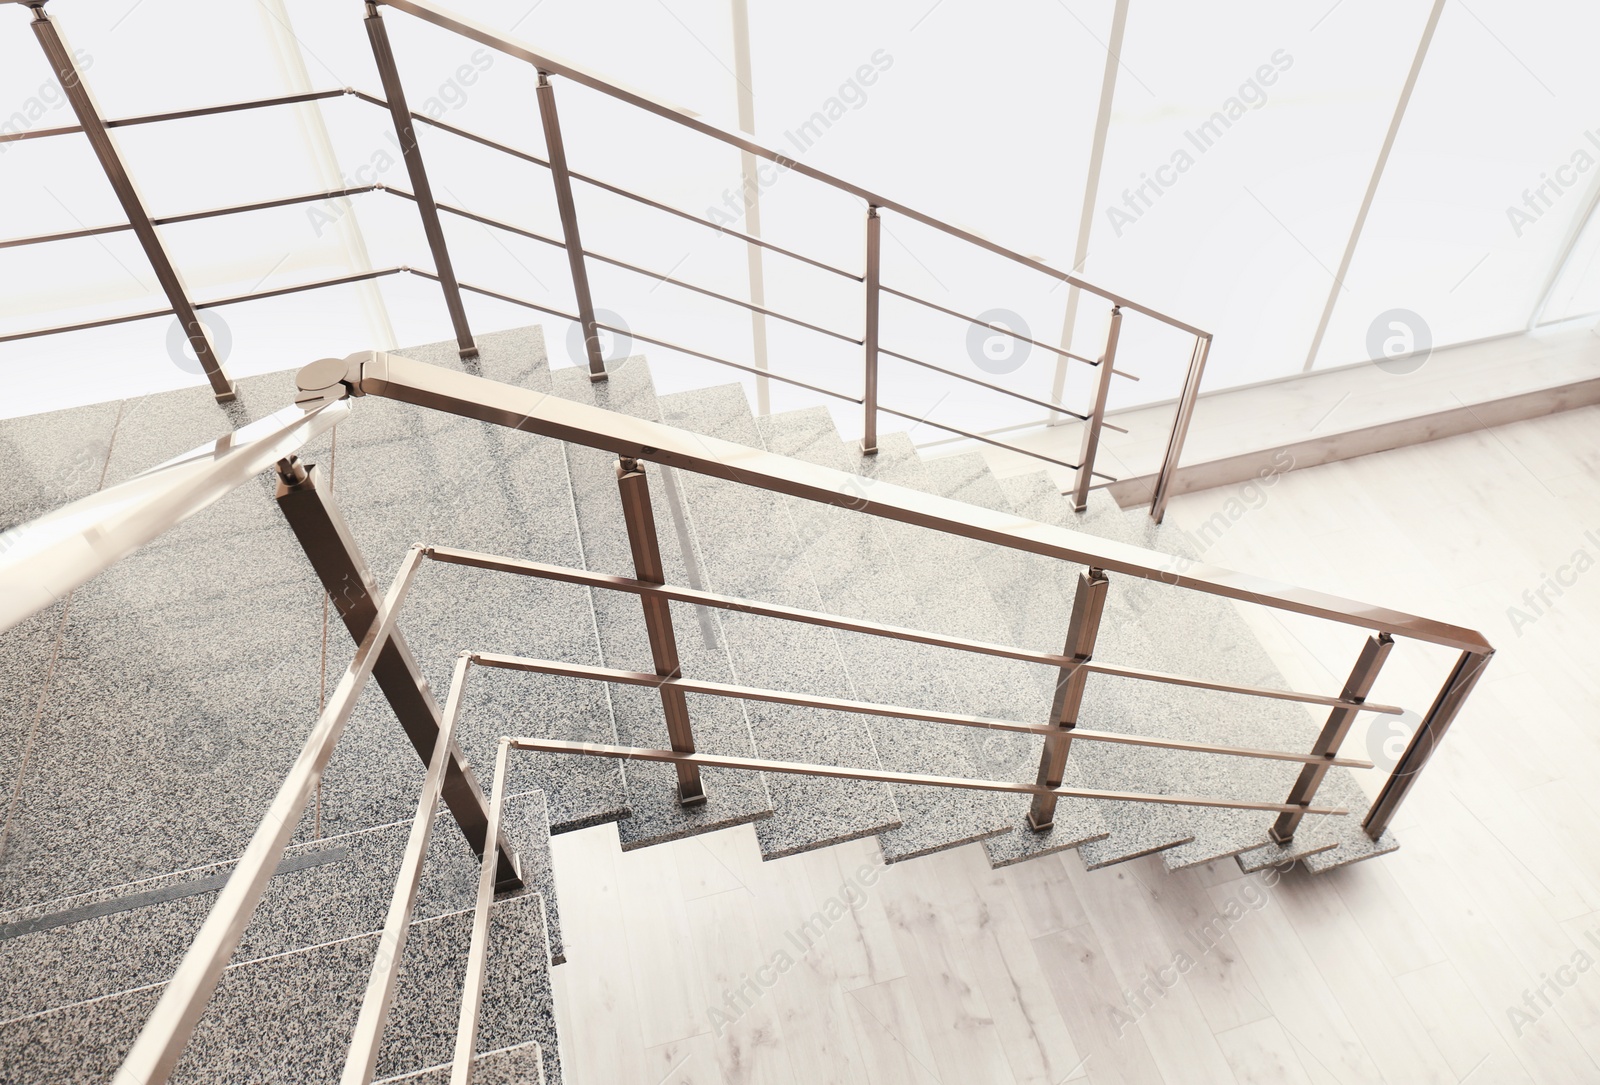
x=1473, y=954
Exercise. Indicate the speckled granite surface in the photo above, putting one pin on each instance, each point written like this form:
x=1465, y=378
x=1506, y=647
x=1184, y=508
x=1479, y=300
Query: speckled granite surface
x=1133, y=829
x=720, y=724
x=753, y=547
x=312, y=996
x=926, y=580
x=520, y=1065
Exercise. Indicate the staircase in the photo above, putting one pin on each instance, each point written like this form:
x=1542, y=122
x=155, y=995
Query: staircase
x=152, y=714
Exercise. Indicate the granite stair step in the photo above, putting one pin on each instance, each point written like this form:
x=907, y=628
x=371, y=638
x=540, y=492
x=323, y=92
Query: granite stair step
x=107, y=948
x=721, y=725
x=752, y=542
x=406, y=475
x=520, y=1065
x=910, y=577
x=287, y=1016
x=1135, y=829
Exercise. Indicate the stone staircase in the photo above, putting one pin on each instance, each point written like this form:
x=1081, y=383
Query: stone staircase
x=151, y=716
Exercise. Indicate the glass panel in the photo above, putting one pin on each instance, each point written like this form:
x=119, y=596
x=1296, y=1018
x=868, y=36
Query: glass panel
x=1236, y=162
x=1490, y=169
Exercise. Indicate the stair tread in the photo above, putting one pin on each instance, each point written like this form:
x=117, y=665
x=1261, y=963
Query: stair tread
x=422, y=477
x=101, y=943
x=316, y=992
x=1134, y=829
x=753, y=548
x=520, y=1065
x=889, y=583
x=720, y=724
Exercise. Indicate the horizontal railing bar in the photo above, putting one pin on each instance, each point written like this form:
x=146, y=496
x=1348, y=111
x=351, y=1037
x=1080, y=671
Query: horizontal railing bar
x=40, y=133
x=204, y=111
x=769, y=374
x=546, y=63
x=986, y=440
x=1002, y=329
x=230, y=107
x=433, y=122
x=190, y=216
x=338, y=280
x=487, y=221
x=84, y=325
x=631, y=334
x=692, y=217
x=794, y=768
x=1140, y=674
x=567, y=575
x=213, y=304
x=167, y=1031
x=486, y=292
x=872, y=708
x=720, y=297
x=612, y=260
x=1056, y=407
x=265, y=205
x=65, y=235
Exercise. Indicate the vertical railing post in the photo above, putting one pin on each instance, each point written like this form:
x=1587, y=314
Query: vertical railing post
x=394, y=94
x=1180, y=427
x=641, y=523
x=1356, y=688
x=1468, y=669
x=1087, y=605
x=556, y=151
x=869, y=338
x=325, y=536
x=1089, y=446
x=66, y=72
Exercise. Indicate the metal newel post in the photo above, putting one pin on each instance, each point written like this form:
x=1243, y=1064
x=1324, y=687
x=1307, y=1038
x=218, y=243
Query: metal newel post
x=1468, y=669
x=1087, y=605
x=328, y=542
x=65, y=68
x=1356, y=688
x=556, y=150
x=869, y=399
x=1089, y=446
x=394, y=94
x=641, y=522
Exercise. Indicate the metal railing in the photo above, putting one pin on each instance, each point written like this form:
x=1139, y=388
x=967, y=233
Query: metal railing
x=868, y=396
x=42, y=561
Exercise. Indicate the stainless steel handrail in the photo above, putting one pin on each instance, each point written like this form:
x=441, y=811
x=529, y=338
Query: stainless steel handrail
x=65, y=548
x=684, y=118
x=44, y=560
x=393, y=376
x=405, y=119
